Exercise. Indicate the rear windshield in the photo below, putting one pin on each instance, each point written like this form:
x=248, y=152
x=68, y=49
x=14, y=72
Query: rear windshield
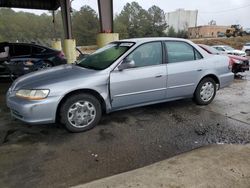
x=210, y=49
x=106, y=56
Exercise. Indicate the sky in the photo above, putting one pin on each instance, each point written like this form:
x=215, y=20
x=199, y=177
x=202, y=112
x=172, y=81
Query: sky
x=224, y=12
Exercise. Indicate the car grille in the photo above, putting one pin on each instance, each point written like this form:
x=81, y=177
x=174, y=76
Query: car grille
x=246, y=64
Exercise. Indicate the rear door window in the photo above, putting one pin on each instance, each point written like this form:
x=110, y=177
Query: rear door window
x=181, y=52
x=37, y=50
x=21, y=50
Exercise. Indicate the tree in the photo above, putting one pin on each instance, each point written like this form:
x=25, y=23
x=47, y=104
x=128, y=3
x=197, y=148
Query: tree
x=133, y=21
x=85, y=26
x=171, y=32
x=27, y=27
x=157, y=21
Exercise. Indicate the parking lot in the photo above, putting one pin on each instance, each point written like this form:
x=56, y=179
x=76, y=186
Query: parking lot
x=49, y=156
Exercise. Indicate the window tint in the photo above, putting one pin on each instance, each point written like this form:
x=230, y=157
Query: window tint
x=37, y=50
x=197, y=55
x=180, y=52
x=20, y=50
x=219, y=48
x=147, y=54
x=11, y=50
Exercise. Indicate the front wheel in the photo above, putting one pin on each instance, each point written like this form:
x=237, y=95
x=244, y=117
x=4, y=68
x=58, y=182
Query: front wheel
x=205, y=91
x=80, y=112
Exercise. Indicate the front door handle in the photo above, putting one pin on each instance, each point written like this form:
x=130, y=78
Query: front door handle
x=199, y=70
x=158, y=76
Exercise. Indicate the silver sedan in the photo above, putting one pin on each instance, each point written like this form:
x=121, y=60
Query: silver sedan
x=124, y=74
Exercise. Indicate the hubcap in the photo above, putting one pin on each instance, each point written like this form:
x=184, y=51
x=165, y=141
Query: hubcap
x=207, y=91
x=46, y=65
x=81, y=114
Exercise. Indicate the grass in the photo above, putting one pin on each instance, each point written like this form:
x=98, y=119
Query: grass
x=235, y=42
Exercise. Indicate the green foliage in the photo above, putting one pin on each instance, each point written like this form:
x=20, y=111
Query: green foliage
x=179, y=34
x=171, y=32
x=28, y=27
x=85, y=26
x=158, y=23
x=134, y=21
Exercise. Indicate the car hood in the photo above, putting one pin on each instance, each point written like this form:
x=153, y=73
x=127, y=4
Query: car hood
x=50, y=76
x=236, y=51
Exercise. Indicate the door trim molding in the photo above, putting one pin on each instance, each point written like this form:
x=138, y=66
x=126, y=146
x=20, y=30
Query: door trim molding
x=140, y=92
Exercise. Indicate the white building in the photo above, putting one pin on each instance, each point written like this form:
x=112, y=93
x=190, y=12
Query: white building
x=182, y=19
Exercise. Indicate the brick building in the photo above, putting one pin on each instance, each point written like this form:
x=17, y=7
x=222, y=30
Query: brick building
x=206, y=31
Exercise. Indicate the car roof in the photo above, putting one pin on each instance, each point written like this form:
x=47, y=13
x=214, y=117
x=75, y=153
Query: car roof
x=151, y=39
x=30, y=44
x=218, y=45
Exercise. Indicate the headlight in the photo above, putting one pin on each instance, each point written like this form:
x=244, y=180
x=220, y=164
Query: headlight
x=33, y=94
x=238, y=61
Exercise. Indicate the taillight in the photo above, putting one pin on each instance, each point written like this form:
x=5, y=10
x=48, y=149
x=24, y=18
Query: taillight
x=230, y=64
x=61, y=54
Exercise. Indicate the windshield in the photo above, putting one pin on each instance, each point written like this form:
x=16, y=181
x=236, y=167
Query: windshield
x=106, y=56
x=228, y=48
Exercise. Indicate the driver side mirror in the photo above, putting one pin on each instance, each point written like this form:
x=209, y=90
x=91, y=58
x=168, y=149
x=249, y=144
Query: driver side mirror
x=126, y=64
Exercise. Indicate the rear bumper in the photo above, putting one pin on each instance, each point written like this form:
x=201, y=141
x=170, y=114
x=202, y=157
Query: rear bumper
x=226, y=79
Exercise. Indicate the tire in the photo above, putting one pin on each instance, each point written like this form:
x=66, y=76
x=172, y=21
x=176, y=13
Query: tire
x=207, y=85
x=80, y=112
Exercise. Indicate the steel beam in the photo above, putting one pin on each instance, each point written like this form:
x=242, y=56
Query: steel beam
x=66, y=18
x=106, y=15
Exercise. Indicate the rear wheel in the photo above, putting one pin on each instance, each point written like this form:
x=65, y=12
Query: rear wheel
x=205, y=91
x=80, y=112
x=45, y=65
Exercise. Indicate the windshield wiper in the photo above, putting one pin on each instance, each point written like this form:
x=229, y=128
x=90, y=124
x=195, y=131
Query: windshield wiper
x=88, y=67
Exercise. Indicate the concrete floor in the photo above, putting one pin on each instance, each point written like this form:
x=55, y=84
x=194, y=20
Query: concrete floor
x=48, y=156
x=219, y=166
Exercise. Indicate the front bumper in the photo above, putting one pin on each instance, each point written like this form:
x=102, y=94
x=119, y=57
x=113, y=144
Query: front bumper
x=33, y=111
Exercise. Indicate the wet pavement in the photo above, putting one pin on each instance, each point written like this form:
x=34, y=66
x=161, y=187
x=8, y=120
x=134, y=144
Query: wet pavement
x=49, y=156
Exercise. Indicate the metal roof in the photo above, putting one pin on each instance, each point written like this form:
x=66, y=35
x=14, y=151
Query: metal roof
x=31, y=4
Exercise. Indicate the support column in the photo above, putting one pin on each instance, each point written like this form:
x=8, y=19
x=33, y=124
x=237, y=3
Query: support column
x=70, y=50
x=69, y=43
x=106, y=23
x=56, y=44
x=66, y=18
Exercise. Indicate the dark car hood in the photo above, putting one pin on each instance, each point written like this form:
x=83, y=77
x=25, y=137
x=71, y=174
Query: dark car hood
x=52, y=75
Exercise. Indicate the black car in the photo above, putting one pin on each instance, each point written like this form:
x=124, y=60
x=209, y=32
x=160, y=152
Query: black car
x=25, y=57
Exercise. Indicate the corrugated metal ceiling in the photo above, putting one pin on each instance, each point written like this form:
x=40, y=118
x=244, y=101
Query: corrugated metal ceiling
x=31, y=4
